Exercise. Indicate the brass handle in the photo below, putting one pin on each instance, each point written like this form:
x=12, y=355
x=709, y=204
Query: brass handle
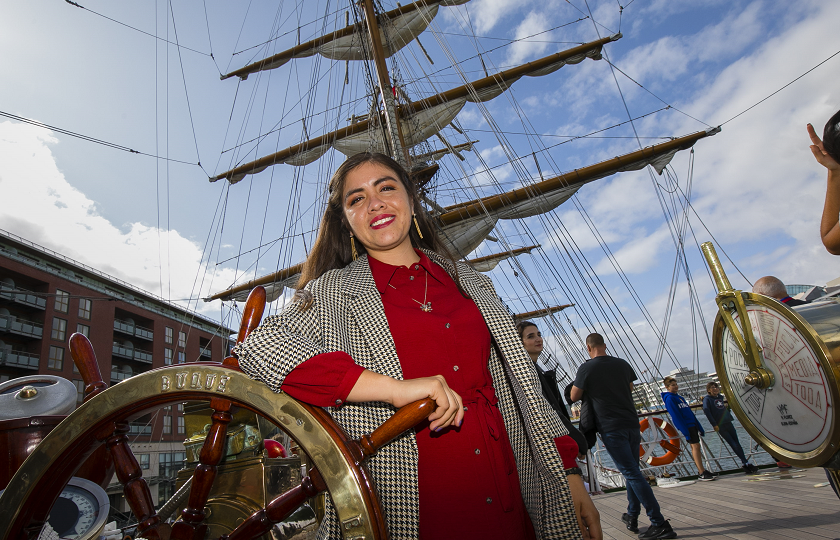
x=727, y=299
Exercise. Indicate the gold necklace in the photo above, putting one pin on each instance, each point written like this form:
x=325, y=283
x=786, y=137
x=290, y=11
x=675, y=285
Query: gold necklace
x=424, y=305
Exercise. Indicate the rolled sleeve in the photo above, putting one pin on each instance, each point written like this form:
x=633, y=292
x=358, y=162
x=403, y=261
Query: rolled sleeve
x=324, y=380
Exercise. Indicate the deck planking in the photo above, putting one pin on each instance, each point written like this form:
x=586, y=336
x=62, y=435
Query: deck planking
x=730, y=508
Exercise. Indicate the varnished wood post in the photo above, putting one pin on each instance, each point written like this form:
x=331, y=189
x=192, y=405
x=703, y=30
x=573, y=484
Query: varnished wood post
x=190, y=526
x=128, y=471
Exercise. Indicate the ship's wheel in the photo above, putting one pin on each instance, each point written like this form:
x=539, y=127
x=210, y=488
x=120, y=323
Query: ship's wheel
x=103, y=419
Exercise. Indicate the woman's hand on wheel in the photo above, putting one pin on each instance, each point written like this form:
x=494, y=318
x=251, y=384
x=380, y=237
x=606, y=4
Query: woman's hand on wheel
x=376, y=387
x=450, y=407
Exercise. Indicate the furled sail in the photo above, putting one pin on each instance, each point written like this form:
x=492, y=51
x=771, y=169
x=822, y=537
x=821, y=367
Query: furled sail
x=489, y=262
x=540, y=313
x=464, y=226
x=397, y=28
x=419, y=119
x=274, y=284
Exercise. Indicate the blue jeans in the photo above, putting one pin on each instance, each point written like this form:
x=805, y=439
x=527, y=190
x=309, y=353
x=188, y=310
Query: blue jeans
x=623, y=447
x=727, y=431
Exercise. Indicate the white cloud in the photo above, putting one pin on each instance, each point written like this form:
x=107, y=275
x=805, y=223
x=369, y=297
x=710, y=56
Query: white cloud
x=521, y=51
x=41, y=206
x=486, y=14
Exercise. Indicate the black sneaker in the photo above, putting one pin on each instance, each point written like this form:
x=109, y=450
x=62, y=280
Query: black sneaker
x=706, y=477
x=750, y=469
x=632, y=522
x=655, y=532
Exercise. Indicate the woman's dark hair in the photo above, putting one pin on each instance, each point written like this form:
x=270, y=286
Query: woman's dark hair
x=831, y=137
x=332, y=247
x=522, y=325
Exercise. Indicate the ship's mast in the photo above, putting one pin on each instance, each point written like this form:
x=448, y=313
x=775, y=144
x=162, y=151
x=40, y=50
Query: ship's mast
x=392, y=123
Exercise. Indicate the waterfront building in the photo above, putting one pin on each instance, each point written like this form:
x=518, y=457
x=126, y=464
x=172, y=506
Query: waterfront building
x=45, y=297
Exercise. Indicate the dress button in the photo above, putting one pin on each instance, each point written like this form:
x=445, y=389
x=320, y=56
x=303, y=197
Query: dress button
x=455, y=368
x=417, y=267
x=338, y=403
x=411, y=278
x=466, y=408
x=489, y=500
x=477, y=451
x=447, y=325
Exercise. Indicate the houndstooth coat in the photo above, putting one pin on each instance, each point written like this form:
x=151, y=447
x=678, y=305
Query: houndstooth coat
x=348, y=315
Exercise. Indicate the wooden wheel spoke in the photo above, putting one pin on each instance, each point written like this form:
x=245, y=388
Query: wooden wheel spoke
x=279, y=509
x=213, y=450
x=128, y=471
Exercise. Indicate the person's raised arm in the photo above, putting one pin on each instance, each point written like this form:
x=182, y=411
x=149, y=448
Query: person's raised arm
x=373, y=386
x=829, y=226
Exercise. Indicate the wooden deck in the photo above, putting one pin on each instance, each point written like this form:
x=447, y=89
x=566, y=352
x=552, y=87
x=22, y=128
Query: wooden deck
x=778, y=508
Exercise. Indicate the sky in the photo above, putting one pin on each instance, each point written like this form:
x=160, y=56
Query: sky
x=159, y=223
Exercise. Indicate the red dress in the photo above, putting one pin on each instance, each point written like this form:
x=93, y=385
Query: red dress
x=469, y=486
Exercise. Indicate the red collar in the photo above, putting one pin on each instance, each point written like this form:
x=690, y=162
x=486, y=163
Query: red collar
x=383, y=273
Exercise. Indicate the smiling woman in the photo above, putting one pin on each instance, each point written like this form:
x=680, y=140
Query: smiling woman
x=401, y=322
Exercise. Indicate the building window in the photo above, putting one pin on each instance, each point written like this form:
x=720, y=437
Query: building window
x=167, y=357
x=59, y=329
x=167, y=335
x=181, y=429
x=84, y=308
x=144, y=461
x=182, y=339
x=56, y=360
x=169, y=463
x=80, y=390
x=167, y=424
x=180, y=407
x=62, y=301
x=83, y=329
x=181, y=357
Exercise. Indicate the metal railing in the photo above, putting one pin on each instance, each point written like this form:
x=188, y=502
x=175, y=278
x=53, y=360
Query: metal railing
x=22, y=296
x=132, y=329
x=119, y=376
x=144, y=333
x=143, y=356
x=717, y=455
x=123, y=352
x=124, y=327
x=20, y=359
x=10, y=323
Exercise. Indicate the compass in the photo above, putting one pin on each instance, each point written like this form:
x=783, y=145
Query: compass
x=80, y=511
x=780, y=371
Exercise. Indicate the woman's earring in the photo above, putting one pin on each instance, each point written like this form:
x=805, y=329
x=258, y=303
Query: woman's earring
x=353, y=251
x=417, y=226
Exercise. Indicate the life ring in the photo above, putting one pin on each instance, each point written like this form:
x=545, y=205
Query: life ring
x=671, y=445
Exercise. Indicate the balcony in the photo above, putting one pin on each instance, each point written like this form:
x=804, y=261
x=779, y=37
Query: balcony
x=18, y=359
x=144, y=333
x=119, y=376
x=142, y=356
x=124, y=327
x=13, y=325
x=122, y=352
x=130, y=329
x=22, y=296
